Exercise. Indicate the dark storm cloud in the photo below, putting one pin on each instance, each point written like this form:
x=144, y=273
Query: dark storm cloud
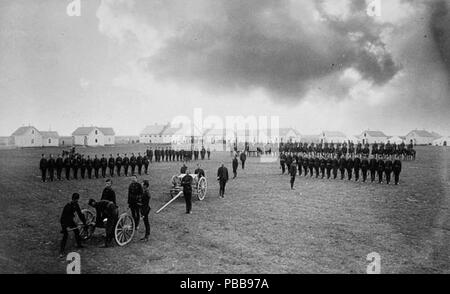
x=440, y=29
x=260, y=44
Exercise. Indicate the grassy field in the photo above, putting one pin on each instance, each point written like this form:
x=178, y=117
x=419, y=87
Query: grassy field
x=261, y=226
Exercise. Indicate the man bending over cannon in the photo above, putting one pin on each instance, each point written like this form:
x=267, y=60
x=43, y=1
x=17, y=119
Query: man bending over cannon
x=110, y=213
x=135, y=192
x=68, y=223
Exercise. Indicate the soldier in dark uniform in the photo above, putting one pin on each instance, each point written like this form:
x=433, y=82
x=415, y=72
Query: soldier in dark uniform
x=317, y=164
x=183, y=169
x=156, y=155
x=51, y=167
x=344, y=149
x=283, y=162
x=222, y=177
x=119, y=162
x=110, y=212
x=167, y=154
x=305, y=164
x=243, y=158
x=397, y=168
x=68, y=223
x=292, y=173
x=380, y=169
x=125, y=163
x=208, y=152
x=342, y=166
x=323, y=165
x=196, y=154
x=145, y=208
x=299, y=163
x=373, y=167
x=146, y=162
x=311, y=165
x=335, y=166
x=350, y=165
x=202, y=153
x=235, y=165
x=104, y=164
x=288, y=161
x=381, y=151
x=59, y=166
x=97, y=166
x=186, y=182
x=108, y=192
x=364, y=168
x=43, y=164
x=351, y=149
x=134, y=198
x=328, y=165
x=67, y=167
x=89, y=165
x=162, y=155
x=139, y=163
x=74, y=165
x=133, y=163
x=199, y=171
x=357, y=166
x=388, y=169
x=111, y=165
x=375, y=149
x=83, y=166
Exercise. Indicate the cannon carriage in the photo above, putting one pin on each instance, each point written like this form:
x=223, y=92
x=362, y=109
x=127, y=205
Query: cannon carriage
x=199, y=188
x=124, y=229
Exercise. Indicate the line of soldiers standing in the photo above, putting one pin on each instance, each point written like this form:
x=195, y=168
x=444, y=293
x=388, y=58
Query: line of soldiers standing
x=326, y=165
x=77, y=164
x=339, y=149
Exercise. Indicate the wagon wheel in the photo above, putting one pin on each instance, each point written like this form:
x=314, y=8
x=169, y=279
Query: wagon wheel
x=202, y=186
x=86, y=232
x=124, y=230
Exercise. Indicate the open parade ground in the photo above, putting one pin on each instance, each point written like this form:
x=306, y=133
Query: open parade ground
x=261, y=226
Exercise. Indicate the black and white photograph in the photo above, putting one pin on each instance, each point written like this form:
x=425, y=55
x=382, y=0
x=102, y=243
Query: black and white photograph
x=225, y=137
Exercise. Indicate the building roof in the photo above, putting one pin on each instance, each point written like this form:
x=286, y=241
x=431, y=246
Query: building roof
x=53, y=135
x=421, y=133
x=436, y=135
x=170, y=131
x=107, y=131
x=154, y=130
x=333, y=134
x=374, y=133
x=84, y=131
x=22, y=130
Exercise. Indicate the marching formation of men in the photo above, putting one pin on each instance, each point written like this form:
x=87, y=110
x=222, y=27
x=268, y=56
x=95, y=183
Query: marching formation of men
x=349, y=166
x=401, y=151
x=75, y=166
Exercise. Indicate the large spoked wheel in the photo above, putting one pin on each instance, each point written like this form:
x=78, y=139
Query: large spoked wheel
x=202, y=186
x=124, y=230
x=87, y=232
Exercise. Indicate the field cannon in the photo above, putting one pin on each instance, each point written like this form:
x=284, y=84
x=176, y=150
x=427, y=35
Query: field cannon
x=199, y=188
x=124, y=228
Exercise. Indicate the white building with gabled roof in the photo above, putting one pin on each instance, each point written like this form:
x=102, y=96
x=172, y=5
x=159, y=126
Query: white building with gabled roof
x=31, y=137
x=370, y=137
x=93, y=136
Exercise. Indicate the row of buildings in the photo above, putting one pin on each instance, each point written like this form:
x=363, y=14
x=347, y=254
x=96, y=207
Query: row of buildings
x=29, y=136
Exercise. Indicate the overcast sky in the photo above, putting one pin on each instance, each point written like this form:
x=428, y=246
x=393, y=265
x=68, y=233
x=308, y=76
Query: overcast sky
x=318, y=65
